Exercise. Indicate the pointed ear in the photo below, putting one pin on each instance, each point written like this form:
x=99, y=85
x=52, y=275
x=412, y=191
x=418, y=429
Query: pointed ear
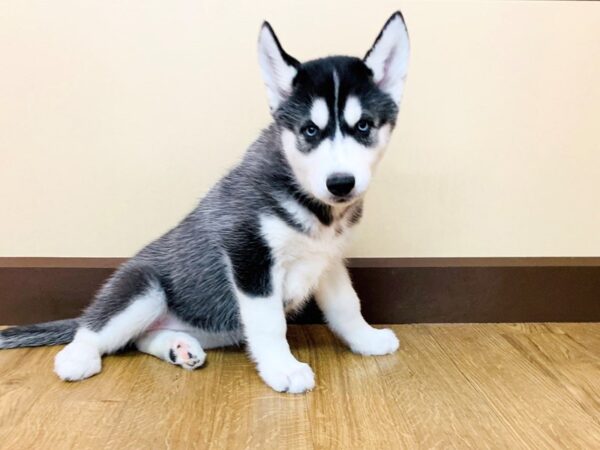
x=278, y=69
x=388, y=57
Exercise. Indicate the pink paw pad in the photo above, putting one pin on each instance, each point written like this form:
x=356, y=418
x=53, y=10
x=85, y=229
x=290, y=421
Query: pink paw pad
x=183, y=355
x=183, y=351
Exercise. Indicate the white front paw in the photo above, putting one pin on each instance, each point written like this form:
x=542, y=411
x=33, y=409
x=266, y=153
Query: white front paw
x=373, y=341
x=293, y=376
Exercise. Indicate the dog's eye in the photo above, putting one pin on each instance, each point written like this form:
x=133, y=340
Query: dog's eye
x=310, y=130
x=363, y=126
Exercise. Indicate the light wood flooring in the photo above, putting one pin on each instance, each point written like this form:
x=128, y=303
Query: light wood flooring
x=450, y=386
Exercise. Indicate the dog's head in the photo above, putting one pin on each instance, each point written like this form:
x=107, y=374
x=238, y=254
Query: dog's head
x=336, y=114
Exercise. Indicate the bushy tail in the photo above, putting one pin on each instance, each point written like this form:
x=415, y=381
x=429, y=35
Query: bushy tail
x=49, y=333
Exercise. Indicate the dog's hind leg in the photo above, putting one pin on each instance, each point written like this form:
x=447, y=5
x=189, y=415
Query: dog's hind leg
x=130, y=302
x=176, y=347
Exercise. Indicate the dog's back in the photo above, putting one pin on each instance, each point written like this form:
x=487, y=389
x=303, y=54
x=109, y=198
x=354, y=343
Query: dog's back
x=266, y=237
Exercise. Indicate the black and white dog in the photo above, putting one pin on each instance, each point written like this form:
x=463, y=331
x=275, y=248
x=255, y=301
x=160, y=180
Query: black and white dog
x=265, y=238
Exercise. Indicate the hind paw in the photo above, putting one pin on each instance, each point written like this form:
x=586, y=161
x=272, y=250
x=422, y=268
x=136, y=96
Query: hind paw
x=185, y=351
x=77, y=361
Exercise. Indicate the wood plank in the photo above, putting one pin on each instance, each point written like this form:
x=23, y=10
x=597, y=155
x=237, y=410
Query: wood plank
x=346, y=410
x=168, y=407
x=450, y=386
x=443, y=409
x=72, y=414
x=268, y=417
x=526, y=394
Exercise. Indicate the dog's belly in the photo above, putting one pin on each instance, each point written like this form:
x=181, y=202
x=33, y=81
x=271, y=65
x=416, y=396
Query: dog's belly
x=207, y=339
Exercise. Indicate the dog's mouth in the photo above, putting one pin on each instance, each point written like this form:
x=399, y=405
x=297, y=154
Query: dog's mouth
x=341, y=200
x=344, y=199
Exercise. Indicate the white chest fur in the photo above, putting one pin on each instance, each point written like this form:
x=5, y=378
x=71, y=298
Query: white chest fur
x=301, y=258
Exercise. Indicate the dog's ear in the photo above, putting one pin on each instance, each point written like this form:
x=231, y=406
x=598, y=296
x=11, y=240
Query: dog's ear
x=388, y=57
x=278, y=69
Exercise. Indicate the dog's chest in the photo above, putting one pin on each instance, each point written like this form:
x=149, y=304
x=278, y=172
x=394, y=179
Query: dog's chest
x=303, y=263
x=300, y=259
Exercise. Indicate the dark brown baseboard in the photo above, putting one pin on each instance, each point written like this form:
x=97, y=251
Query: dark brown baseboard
x=393, y=290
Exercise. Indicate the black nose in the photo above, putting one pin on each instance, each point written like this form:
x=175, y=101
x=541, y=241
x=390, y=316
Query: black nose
x=340, y=184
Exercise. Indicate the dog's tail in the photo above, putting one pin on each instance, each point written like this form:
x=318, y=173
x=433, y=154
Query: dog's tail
x=49, y=333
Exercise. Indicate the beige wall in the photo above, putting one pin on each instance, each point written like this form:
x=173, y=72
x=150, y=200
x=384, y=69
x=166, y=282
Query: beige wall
x=116, y=116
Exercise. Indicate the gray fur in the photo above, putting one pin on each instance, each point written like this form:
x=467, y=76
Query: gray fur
x=218, y=247
x=49, y=333
x=196, y=262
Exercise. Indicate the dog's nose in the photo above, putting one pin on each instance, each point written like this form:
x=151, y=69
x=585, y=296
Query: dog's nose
x=340, y=184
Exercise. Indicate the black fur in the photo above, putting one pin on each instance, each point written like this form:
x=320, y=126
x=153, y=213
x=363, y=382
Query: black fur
x=287, y=58
x=191, y=262
x=218, y=247
x=316, y=79
x=387, y=22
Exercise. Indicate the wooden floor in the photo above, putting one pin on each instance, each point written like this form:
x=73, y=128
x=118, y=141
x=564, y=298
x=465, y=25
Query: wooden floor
x=449, y=386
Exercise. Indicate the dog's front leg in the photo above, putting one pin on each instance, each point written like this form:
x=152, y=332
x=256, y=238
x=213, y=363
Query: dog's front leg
x=340, y=305
x=263, y=319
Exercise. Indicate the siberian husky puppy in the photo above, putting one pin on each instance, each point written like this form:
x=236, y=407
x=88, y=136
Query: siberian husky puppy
x=266, y=237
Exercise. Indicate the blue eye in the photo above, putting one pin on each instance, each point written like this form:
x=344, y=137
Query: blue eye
x=310, y=131
x=363, y=126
